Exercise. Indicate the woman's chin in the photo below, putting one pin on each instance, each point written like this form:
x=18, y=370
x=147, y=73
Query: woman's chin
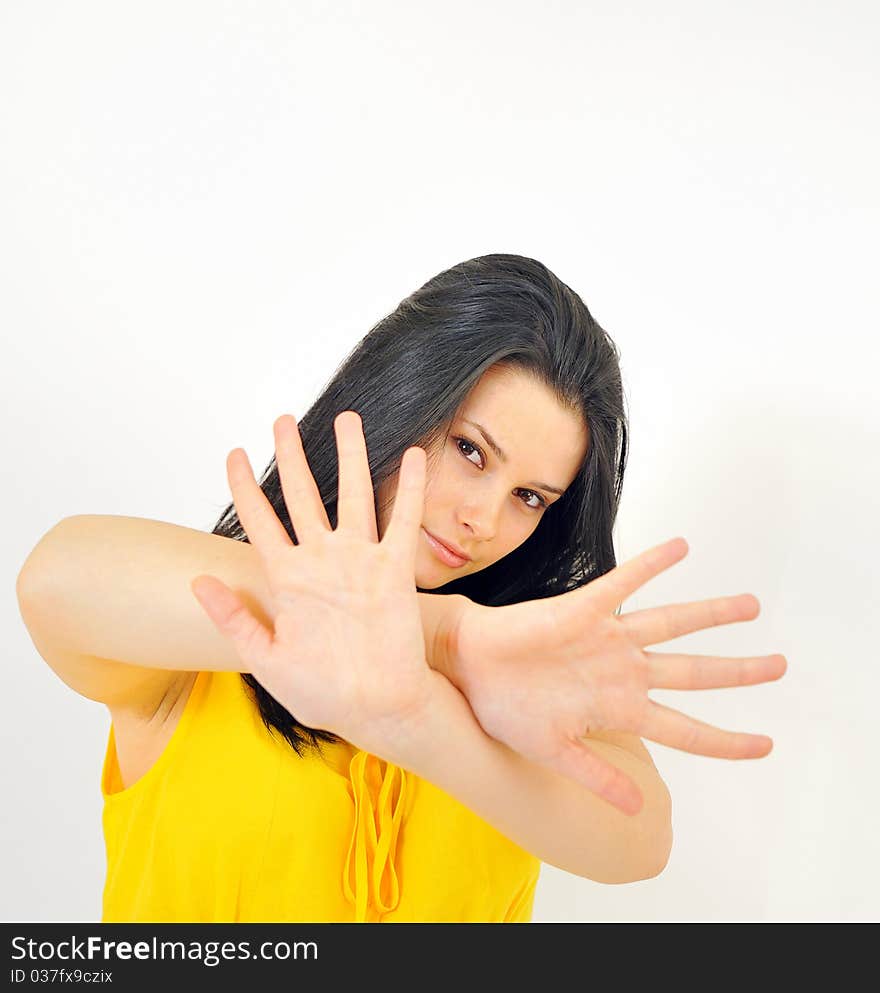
x=425, y=581
x=433, y=579
x=431, y=574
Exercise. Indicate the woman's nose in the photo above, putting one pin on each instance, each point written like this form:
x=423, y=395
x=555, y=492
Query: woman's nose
x=481, y=518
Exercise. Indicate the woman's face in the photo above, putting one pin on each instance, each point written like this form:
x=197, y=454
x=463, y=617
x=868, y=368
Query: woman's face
x=485, y=502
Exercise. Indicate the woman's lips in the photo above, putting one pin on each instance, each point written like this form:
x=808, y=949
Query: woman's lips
x=443, y=553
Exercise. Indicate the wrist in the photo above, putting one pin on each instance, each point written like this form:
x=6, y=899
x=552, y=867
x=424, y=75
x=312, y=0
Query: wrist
x=441, y=615
x=444, y=718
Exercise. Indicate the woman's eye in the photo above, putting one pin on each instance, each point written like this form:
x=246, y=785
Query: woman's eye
x=534, y=506
x=473, y=450
x=467, y=449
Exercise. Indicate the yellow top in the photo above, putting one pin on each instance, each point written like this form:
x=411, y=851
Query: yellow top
x=229, y=824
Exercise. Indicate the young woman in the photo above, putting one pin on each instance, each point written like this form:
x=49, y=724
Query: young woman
x=301, y=731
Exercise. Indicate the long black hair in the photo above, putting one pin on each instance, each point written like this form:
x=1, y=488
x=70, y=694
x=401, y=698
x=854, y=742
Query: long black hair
x=408, y=377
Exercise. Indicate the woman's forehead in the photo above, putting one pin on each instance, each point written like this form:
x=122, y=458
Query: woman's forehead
x=526, y=420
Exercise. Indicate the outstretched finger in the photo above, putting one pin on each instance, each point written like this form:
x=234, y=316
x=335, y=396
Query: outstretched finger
x=609, y=591
x=356, y=507
x=402, y=533
x=706, y=672
x=256, y=514
x=301, y=494
x=658, y=624
x=579, y=762
x=670, y=727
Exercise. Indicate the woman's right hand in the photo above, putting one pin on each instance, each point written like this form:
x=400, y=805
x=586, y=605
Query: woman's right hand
x=543, y=675
x=347, y=652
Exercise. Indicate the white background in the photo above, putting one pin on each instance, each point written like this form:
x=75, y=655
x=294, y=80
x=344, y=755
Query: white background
x=205, y=205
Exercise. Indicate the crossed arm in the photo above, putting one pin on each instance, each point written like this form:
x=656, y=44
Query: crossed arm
x=102, y=588
x=377, y=688
x=530, y=715
x=550, y=815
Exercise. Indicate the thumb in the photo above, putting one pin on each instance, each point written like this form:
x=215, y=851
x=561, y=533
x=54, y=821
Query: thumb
x=579, y=762
x=252, y=640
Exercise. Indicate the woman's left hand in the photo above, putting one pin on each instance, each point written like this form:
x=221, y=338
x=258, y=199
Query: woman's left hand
x=542, y=675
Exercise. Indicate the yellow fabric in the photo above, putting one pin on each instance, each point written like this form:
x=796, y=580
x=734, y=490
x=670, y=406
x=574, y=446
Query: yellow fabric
x=229, y=824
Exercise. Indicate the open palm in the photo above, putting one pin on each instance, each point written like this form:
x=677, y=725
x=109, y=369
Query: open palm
x=347, y=653
x=542, y=675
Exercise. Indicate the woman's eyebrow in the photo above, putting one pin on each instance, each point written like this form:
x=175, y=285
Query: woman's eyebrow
x=491, y=443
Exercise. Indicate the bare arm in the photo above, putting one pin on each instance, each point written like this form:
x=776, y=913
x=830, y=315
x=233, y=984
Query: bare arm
x=107, y=602
x=547, y=814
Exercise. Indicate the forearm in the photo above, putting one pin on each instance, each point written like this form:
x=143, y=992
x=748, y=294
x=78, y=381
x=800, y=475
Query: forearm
x=117, y=587
x=548, y=815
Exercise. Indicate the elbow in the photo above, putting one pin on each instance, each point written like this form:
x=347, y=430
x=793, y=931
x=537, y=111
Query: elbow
x=656, y=841
x=634, y=867
x=644, y=843
x=667, y=852
x=39, y=563
x=650, y=864
x=658, y=863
